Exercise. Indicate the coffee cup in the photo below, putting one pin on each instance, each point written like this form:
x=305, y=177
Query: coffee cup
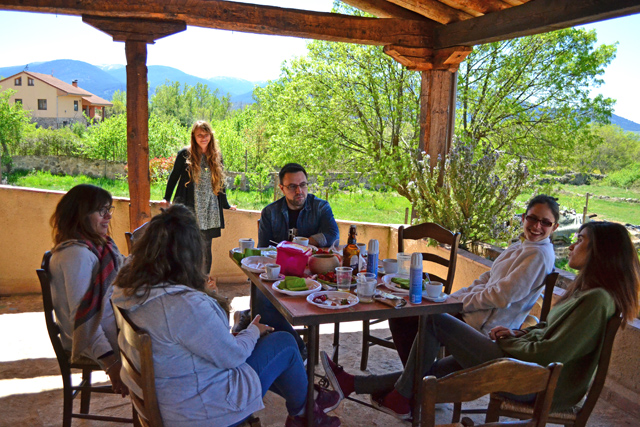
x=363, y=249
x=246, y=244
x=273, y=271
x=434, y=289
x=390, y=265
x=304, y=241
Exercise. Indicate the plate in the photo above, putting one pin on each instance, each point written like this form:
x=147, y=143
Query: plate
x=312, y=286
x=264, y=277
x=442, y=298
x=255, y=264
x=333, y=296
x=390, y=285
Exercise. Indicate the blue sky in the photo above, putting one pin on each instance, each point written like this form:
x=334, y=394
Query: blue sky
x=209, y=53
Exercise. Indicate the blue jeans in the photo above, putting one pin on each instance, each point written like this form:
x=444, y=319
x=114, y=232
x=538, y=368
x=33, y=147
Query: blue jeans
x=272, y=317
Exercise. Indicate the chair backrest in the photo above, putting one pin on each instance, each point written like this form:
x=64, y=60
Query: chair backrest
x=49, y=315
x=549, y=284
x=501, y=375
x=443, y=237
x=601, y=372
x=128, y=237
x=143, y=396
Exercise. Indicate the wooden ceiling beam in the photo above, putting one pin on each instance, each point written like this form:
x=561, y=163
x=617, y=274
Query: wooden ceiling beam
x=477, y=7
x=244, y=17
x=534, y=17
x=144, y=30
x=424, y=59
x=384, y=9
x=434, y=10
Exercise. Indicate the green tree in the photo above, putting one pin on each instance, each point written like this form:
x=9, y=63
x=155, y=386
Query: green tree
x=531, y=96
x=119, y=101
x=14, y=121
x=615, y=150
x=189, y=103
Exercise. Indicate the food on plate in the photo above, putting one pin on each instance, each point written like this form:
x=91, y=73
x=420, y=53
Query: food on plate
x=330, y=278
x=293, y=283
x=404, y=283
x=330, y=301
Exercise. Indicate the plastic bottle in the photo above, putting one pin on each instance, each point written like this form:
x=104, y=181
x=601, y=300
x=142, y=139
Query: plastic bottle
x=372, y=257
x=415, y=279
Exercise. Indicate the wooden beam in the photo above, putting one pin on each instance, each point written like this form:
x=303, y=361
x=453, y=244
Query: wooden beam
x=138, y=133
x=477, y=7
x=433, y=9
x=534, y=17
x=384, y=9
x=128, y=29
x=437, y=113
x=424, y=59
x=227, y=15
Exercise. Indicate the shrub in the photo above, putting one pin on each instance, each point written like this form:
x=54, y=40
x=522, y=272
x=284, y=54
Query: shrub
x=629, y=177
x=160, y=169
x=49, y=142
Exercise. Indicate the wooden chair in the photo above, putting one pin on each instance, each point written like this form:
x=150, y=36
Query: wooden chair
x=137, y=363
x=502, y=406
x=501, y=375
x=531, y=320
x=427, y=230
x=85, y=388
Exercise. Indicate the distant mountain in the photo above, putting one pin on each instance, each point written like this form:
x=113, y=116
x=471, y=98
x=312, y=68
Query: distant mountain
x=625, y=124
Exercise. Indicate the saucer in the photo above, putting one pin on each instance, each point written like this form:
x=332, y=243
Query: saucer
x=264, y=277
x=442, y=298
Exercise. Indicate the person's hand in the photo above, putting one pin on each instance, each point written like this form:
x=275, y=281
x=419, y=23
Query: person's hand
x=264, y=329
x=501, y=332
x=116, y=383
x=165, y=204
x=313, y=242
x=233, y=207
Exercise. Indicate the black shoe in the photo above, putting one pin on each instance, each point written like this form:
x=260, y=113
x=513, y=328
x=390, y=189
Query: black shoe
x=241, y=321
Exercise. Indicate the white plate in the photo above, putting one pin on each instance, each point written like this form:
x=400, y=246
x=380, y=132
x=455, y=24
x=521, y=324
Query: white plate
x=335, y=296
x=255, y=264
x=264, y=277
x=442, y=298
x=390, y=285
x=312, y=286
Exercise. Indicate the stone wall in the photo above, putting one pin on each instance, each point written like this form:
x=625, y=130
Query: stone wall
x=61, y=165
x=55, y=123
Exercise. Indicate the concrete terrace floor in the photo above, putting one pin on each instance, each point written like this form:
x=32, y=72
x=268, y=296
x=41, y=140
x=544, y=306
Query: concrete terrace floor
x=31, y=389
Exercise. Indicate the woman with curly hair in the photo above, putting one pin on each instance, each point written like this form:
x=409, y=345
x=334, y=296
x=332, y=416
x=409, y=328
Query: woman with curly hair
x=199, y=176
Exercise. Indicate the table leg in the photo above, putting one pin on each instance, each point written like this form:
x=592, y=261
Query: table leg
x=336, y=342
x=417, y=376
x=252, y=299
x=312, y=344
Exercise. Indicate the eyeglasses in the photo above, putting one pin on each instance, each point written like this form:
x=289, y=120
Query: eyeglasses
x=543, y=222
x=294, y=187
x=104, y=210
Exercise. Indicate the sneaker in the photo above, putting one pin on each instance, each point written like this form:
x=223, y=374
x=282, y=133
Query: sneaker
x=393, y=404
x=320, y=419
x=327, y=400
x=339, y=379
x=241, y=321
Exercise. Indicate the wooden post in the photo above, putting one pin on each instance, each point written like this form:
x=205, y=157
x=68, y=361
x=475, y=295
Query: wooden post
x=585, y=210
x=138, y=133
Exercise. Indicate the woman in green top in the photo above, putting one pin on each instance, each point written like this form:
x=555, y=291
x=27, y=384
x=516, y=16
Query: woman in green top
x=608, y=279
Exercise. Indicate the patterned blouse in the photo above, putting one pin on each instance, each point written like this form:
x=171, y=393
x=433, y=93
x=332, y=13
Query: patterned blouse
x=207, y=209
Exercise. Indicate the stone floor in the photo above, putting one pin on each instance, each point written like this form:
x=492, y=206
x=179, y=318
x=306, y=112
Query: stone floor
x=31, y=389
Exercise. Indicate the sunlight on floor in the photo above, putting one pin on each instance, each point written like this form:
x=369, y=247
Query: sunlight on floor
x=36, y=385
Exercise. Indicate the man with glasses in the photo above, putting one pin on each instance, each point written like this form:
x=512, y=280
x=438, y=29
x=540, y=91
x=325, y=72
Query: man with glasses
x=297, y=213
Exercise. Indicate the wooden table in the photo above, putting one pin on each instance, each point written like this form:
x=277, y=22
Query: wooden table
x=299, y=312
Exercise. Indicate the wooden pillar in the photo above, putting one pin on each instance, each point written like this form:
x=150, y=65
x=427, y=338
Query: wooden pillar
x=437, y=112
x=138, y=133
x=136, y=34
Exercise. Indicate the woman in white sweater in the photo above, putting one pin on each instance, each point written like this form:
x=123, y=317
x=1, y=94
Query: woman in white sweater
x=505, y=294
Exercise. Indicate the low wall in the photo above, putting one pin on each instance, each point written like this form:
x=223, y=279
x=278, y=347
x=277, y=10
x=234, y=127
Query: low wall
x=62, y=165
x=25, y=235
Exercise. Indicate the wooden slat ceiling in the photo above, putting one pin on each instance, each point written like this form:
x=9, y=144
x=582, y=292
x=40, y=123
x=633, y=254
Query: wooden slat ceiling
x=407, y=28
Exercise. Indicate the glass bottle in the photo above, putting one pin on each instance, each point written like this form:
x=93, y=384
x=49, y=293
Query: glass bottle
x=351, y=252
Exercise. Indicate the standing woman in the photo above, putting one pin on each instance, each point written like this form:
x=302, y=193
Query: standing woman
x=200, y=178
x=83, y=266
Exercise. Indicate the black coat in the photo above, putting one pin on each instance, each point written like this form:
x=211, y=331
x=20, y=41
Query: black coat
x=185, y=192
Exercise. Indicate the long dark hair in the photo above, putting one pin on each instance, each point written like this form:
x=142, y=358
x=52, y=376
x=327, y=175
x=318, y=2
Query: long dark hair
x=70, y=220
x=551, y=203
x=169, y=251
x=612, y=264
x=212, y=156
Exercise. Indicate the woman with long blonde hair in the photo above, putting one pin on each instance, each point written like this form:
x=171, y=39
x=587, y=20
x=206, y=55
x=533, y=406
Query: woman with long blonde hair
x=199, y=175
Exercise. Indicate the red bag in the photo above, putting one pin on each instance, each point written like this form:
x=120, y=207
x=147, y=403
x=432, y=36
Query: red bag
x=292, y=258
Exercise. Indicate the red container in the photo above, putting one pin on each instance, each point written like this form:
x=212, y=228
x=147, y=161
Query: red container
x=292, y=258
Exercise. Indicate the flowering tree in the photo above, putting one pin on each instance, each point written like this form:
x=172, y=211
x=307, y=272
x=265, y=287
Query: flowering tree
x=473, y=191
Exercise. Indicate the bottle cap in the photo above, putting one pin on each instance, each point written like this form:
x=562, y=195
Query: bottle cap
x=373, y=246
x=416, y=260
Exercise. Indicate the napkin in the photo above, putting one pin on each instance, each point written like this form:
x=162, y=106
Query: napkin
x=293, y=283
x=237, y=256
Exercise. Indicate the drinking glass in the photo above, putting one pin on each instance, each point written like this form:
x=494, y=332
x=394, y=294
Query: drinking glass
x=366, y=286
x=343, y=278
x=404, y=263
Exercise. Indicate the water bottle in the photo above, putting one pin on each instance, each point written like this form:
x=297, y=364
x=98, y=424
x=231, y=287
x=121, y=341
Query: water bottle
x=415, y=279
x=372, y=257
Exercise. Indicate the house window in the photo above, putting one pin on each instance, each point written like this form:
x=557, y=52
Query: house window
x=30, y=82
x=18, y=81
x=42, y=104
x=75, y=105
x=18, y=101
